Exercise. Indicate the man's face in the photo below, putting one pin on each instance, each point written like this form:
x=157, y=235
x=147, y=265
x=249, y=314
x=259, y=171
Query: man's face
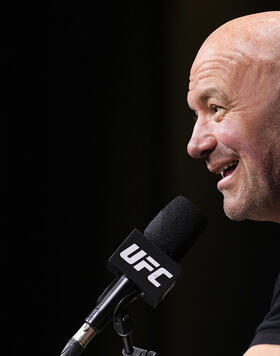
x=237, y=103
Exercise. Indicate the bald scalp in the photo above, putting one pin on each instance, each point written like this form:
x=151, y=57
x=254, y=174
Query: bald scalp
x=252, y=37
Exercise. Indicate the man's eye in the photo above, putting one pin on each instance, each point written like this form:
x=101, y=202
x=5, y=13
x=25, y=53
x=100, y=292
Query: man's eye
x=215, y=108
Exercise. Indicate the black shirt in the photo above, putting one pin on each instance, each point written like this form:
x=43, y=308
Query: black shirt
x=268, y=332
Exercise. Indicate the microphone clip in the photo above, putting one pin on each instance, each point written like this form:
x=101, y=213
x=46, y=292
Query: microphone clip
x=123, y=326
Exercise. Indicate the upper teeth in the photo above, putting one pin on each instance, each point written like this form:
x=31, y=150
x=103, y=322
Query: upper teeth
x=234, y=163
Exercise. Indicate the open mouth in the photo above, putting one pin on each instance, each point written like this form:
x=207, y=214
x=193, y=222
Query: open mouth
x=228, y=170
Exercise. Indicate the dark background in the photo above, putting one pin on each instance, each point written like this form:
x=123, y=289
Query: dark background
x=95, y=99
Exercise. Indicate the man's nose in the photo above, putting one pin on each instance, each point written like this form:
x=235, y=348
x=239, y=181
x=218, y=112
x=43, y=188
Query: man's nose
x=202, y=142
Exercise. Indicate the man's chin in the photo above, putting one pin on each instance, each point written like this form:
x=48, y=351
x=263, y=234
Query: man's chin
x=234, y=211
x=234, y=216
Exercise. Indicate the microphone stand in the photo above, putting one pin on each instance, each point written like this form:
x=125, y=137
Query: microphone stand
x=123, y=327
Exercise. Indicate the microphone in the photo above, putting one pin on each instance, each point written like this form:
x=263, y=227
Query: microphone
x=144, y=266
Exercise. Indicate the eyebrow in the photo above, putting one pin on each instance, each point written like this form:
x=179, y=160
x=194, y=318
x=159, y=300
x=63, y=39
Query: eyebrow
x=212, y=92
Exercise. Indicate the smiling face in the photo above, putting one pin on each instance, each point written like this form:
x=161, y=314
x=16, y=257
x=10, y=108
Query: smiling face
x=235, y=94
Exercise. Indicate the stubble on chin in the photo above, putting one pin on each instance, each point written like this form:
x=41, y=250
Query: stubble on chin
x=250, y=204
x=240, y=205
x=233, y=210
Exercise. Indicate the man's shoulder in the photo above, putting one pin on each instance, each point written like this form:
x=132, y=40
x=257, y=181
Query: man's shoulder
x=267, y=337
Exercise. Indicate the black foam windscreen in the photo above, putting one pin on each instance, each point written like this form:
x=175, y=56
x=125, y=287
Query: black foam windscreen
x=176, y=227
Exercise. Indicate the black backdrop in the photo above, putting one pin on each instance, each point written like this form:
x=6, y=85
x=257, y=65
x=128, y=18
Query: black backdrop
x=97, y=94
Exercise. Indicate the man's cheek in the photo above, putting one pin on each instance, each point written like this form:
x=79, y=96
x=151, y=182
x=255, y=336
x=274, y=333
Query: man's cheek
x=231, y=139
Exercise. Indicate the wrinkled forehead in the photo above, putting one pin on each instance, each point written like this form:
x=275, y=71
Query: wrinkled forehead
x=218, y=63
x=227, y=60
x=227, y=49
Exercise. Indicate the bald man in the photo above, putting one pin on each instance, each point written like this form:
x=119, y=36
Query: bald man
x=234, y=90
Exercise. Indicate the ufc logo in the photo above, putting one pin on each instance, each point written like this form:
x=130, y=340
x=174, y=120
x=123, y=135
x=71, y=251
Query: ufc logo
x=131, y=256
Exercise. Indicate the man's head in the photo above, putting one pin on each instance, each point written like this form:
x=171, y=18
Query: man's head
x=235, y=91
